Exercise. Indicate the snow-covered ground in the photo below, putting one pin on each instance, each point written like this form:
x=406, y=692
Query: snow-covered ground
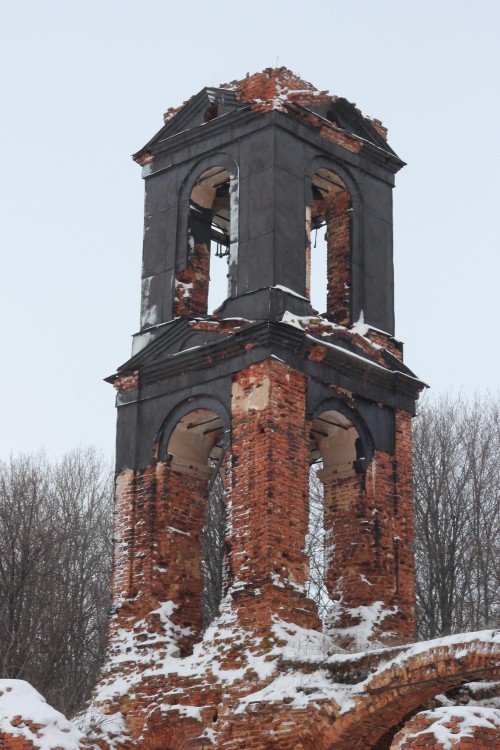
x=25, y=713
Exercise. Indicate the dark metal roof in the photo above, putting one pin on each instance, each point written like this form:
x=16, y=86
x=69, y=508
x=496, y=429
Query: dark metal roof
x=258, y=341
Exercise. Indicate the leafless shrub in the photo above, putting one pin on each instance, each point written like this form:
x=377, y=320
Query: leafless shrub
x=316, y=548
x=212, y=551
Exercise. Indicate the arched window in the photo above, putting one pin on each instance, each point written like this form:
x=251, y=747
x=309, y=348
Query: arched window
x=209, y=277
x=328, y=266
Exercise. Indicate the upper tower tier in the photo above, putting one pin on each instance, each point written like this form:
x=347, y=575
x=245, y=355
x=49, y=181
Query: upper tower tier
x=247, y=171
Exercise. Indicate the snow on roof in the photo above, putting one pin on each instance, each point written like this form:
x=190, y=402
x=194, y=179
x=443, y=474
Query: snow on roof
x=25, y=713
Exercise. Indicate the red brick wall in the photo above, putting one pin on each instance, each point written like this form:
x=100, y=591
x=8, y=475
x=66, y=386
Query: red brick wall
x=191, y=291
x=339, y=259
x=161, y=514
x=270, y=490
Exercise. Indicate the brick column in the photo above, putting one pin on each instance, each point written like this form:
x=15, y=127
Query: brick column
x=191, y=287
x=177, y=576
x=160, y=517
x=339, y=258
x=371, y=522
x=269, y=494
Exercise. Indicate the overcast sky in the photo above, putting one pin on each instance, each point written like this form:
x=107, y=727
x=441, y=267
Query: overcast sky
x=85, y=84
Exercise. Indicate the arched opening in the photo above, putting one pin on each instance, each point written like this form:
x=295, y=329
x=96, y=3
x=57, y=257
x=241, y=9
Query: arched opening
x=192, y=541
x=210, y=276
x=328, y=262
x=336, y=465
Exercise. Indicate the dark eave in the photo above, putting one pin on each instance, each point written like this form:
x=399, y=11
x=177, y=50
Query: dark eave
x=171, y=334
x=258, y=341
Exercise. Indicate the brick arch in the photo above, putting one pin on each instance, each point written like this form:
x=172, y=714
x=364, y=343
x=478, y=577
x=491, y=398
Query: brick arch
x=342, y=170
x=342, y=448
x=335, y=404
x=329, y=204
x=183, y=408
x=405, y=684
x=222, y=158
x=345, y=303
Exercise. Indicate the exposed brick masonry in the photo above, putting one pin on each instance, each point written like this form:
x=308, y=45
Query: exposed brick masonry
x=270, y=492
x=339, y=258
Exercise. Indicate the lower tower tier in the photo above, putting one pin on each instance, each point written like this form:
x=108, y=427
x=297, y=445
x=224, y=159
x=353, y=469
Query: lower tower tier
x=264, y=513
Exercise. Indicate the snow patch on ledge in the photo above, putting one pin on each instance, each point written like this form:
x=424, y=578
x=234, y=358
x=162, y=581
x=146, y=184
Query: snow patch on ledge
x=363, y=329
x=25, y=713
x=465, y=639
x=299, y=321
x=288, y=291
x=367, y=633
x=140, y=342
x=360, y=327
x=298, y=690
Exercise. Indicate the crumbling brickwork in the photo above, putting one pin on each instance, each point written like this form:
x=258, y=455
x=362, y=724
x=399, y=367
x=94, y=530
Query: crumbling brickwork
x=192, y=283
x=15, y=742
x=469, y=729
x=337, y=213
x=269, y=493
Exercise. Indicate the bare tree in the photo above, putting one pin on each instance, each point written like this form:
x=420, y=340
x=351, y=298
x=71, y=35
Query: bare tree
x=213, y=550
x=55, y=564
x=316, y=547
x=457, y=515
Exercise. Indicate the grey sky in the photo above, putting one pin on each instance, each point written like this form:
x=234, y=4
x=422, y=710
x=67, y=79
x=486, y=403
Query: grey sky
x=85, y=84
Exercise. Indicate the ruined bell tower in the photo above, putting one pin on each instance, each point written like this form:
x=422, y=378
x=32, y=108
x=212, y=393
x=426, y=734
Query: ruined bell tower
x=242, y=400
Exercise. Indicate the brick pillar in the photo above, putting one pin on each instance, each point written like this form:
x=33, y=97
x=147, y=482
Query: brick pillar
x=191, y=289
x=134, y=543
x=269, y=495
x=339, y=258
x=371, y=522
x=177, y=575
x=161, y=514
x=347, y=546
